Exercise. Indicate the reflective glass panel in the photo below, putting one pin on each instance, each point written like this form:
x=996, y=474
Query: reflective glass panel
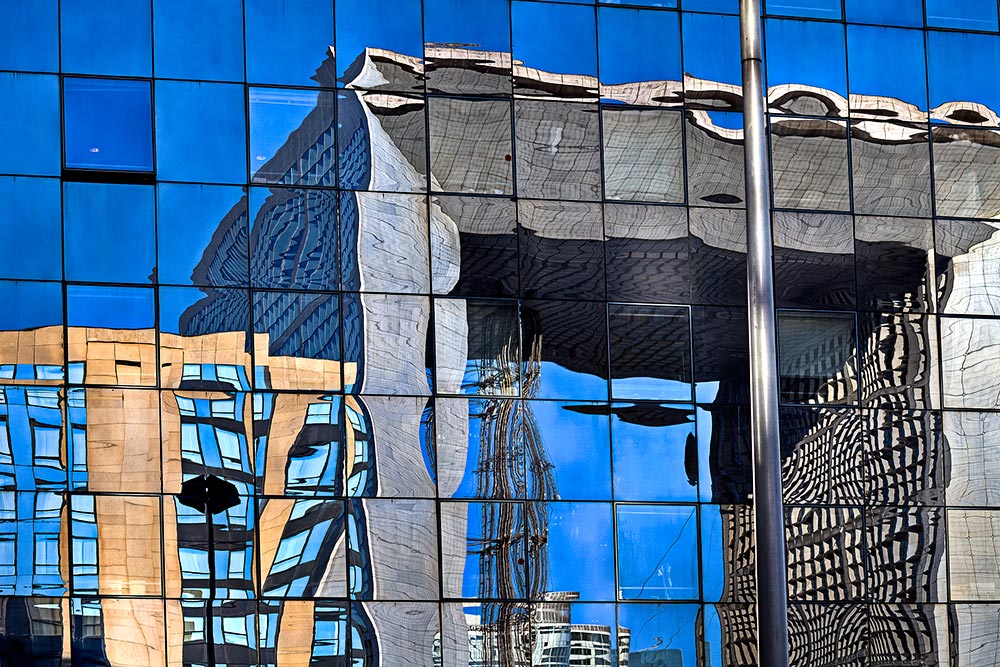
x=274, y=58
x=820, y=9
x=711, y=57
x=835, y=437
x=969, y=373
x=727, y=551
x=565, y=350
x=108, y=124
x=458, y=33
x=657, y=553
x=886, y=62
x=29, y=124
x=580, y=550
x=644, y=432
x=121, y=27
x=804, y=55
x=826, y=559
x=486, y=261
x=561, y=250
x=198, y=40
x=886, y=12
x=643, y=155
x=646, y=250
x=816, y=357
x=961, y=69
x=809, y=164
x=293, y=239
x=813, y=260
x=718, y=256
x=365, y=32
x=200, y=132
x=284, y=127
x=962, y=14
x=201, y=234
x=470, y=144
x=966, y=169
x=974, y=554
x=966, y=267
x=558, y=149
x=29, y=36
x=891, y=167
x=109, y=232
x=574, y=439
x=894, y=264
x=30, y=228
x=570, y=51
x=640, y=56
x=714, y=145
x=650, y=352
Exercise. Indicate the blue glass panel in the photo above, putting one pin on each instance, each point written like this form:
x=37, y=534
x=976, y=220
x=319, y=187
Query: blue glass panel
x=581, y=550
x=109, y=124
x=29, y=36
x=278, y=120
x=274, y=58
x=201, y=234
x=394, y=25
x=109, y=231
x=963, y=14
x=575, y=439
x=644, y=433
x=720, y=6
x=887, y=62
x=109, y=307
x=963, y=68
x=188, y=310
x=28, y=305
x=199, y=39
x=647, y=3
x=657, y=553
x=886, y=12
x=712, y=48
x=476, y=24
x=106, y=37
x=29, y=124
x=200, y=132
x=819, y=9
x=30, y=228
x=665, y=634
x=638, y=45
x=570, y=50
x=806, y=53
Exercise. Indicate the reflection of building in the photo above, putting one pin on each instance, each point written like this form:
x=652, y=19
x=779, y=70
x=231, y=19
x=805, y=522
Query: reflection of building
x=310, y=390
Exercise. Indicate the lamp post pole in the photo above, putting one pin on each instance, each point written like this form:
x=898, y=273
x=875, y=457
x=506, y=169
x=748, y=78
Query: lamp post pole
x=769, y=521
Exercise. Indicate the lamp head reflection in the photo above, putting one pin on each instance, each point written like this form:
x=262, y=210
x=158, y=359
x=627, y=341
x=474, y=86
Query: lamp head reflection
x=208, y=494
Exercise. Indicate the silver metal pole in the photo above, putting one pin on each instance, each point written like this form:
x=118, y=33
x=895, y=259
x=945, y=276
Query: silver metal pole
x=769, y=520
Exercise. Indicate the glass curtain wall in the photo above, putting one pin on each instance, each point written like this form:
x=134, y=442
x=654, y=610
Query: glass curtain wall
x=453, y=294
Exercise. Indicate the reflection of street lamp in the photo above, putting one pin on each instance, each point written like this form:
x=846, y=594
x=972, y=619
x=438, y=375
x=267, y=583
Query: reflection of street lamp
x=209, y=495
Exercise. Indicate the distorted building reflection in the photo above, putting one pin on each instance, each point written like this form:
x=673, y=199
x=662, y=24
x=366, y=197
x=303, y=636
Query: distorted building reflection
x=469, y=429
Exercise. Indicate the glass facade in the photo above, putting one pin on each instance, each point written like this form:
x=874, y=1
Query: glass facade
x=452, y=293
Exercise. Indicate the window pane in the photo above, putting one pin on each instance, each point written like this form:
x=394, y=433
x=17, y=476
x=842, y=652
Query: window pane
x=816, y=357
x=962, y=14
x=575, y=439
x=886, y=12
x=966, y=171
x=809, y=164
x=562, y=250
x=962, y=68
x=891, y=163
x=650, y=352
x=711, y=55
x=643, y=155
x=29, y=36
x=806, y=54
x=284, y=127
x=202, y=235
x=640, y=56
x=458, y=33
x=30, y=227
x=470, y=145
x=570, y=50
x=820, y=9
x=392, y=25
x=274, y=58
x=109, y=124
x=200, y=132
x=644, y=432
x=110, y=233
x=121, y=28
x=565, y=349
x=657, y=553
x=29, y=124
x=886, y=62
x=199, y=39
x=558, y=149
x=813, y=260
x=580, y=549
